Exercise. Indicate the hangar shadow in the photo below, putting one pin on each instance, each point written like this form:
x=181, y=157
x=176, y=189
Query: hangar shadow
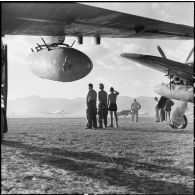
x=79, y=163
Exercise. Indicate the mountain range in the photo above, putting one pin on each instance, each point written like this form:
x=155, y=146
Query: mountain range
x=35, y=106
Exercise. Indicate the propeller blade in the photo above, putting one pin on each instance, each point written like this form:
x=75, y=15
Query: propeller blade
x=73, y=43
x=45, y=44
x=190, y=54
x=161, y=52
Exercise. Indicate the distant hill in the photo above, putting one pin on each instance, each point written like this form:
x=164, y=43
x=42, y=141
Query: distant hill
x=35, y=106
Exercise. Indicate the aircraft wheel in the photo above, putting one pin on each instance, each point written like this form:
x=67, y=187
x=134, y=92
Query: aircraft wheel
x=2, y=124
x=183, y=126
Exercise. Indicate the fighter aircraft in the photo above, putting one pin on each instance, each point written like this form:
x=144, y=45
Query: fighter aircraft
x=124, y=113
x=58, y=61
x=129, y=112
x=181, y=85
x=57, y=113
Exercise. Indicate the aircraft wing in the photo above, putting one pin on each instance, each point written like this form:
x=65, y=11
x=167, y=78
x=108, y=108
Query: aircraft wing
x=184, y=71
x=73, y=19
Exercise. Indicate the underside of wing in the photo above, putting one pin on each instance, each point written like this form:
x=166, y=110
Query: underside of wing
x=181, y=70
x=73, y=19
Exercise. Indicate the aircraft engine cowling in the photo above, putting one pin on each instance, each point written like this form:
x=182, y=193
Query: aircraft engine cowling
x=64, y=64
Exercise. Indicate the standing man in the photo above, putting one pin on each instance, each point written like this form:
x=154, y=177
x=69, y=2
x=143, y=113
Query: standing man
x=91, y=107
x=135, y=106
x=157, y=110
x=167, y=108
x=102, y=107
x=161, y=105
x=112, y=106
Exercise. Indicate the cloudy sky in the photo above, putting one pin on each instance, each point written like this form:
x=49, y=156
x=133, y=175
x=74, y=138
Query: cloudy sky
x=129, y=78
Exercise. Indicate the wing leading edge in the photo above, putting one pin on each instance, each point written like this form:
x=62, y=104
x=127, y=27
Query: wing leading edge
x=181, y=70
x=73, y=19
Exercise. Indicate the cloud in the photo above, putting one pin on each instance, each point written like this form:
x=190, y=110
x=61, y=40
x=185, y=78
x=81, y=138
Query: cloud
x=107, y=55
x=106, y=82
x=137, y=83
x=165, y=16
x=101, y=64
x=135, y=48
x=141, y=67
x=152, y=83
x=181, y=52
x=155, y=5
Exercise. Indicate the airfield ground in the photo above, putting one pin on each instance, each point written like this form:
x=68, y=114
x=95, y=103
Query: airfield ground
x=60, y=156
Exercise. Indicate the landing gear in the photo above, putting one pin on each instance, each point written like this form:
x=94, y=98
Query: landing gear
x=182, y=126
x=2, y=124
x=178, y=117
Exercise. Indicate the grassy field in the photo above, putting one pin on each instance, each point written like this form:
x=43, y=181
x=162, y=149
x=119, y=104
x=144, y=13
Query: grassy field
x=58, y=156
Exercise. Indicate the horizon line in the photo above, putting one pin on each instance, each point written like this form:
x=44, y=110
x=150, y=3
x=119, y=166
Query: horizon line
x=10, y=99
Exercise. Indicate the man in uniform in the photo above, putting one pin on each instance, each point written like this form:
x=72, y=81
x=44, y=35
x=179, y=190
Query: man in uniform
x=157, y=110
x=135, y=106
x=91, y=107
x=102, y=107
x=161, y=105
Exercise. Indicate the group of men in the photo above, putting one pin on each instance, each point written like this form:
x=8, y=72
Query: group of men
x=106, y=102
x=163, y=109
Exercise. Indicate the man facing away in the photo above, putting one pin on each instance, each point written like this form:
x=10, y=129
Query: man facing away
x=135, y=106
x=161, y=105
x=102, y=107
x=157, y=110
x=112, y=106
x=167, y=108
x=91, y=107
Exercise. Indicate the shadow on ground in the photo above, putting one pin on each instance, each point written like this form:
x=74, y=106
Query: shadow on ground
x=177, y=131
x=74, y=161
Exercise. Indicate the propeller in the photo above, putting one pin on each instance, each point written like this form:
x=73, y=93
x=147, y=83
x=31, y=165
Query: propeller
x=164, y=56
x=169, y=69
x=161, y=52
x=47, y=46
x=73, y=43
x=190, y=54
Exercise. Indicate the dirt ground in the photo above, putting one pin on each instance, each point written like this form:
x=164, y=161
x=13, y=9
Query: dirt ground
x=56, y=156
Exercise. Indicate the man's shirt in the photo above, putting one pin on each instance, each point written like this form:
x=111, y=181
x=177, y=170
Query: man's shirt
x=92, y=95
x=102, y=97
x=162, y=102
x=135, y=106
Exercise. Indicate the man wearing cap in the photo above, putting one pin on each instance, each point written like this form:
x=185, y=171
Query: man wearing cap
x=102, y=107
x=91, y=107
